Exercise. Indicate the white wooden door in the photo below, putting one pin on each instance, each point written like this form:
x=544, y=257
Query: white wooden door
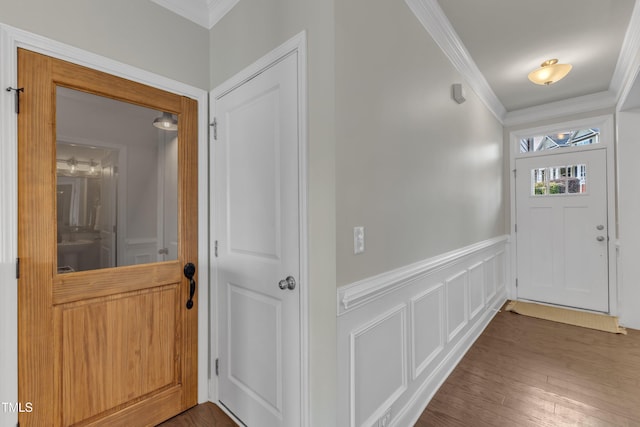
x=257, y=227
x=562, y=235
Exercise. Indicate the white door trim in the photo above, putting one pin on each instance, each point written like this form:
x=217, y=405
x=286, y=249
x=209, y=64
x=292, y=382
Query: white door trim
x=297, y=44
x=10, y=40
x=605, y=124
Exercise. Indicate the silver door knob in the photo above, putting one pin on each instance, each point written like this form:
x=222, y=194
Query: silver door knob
x=600, y=238
x=600, y=227
x=288, y=283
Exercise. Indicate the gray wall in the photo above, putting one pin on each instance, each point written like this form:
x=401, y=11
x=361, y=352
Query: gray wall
x=136, y=32
x=250, y=30
x=421, y=173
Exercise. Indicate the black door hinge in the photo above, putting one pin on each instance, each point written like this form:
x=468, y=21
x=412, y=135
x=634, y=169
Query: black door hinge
x=17, y=96
x=215, y=249
x=17, y=268
x=217, y=367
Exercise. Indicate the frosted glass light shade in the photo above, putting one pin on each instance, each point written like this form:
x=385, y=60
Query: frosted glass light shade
x=549, y=72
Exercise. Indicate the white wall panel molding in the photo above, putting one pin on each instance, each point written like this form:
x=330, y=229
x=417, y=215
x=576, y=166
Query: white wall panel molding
x=427, y=326
x=401, y=333
x=476, y=288
x=378, y=373
x=433, y=19
x=408, y=414
x=490, y=277
x=457, y=304
x=364, y=291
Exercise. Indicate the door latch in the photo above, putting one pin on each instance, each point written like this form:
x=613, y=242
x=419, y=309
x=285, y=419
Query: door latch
x=189, y=271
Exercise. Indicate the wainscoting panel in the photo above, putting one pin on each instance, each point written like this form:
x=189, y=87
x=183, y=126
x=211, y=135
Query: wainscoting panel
x=401, y=333
x=427, y=326
x=457, y=303
x=378, y=365
x=476, y=289
x=490, y=277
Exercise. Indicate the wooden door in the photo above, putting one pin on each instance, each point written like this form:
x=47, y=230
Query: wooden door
x=258, y=244
x=562, y=239
x=112, y=346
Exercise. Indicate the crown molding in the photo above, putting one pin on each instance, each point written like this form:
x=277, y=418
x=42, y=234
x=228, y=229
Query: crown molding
x=205, y=13
x=433, y=19
x=553, y=110
x=628, y=65
x=218, y=9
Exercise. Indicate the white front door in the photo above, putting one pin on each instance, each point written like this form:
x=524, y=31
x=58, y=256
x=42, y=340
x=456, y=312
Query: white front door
x=256, y=185
x=562, y=234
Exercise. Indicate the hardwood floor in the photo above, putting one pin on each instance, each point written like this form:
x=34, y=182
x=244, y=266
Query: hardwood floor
x=204, y=415
x=530, y=372
x=523, y=372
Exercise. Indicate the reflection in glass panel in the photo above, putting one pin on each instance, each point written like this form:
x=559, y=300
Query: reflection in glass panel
x=559, y=180
x=117, y=175
x=570, y=138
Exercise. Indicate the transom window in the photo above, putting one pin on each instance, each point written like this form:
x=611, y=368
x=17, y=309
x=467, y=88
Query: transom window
x=570, y=138
x=564, y=180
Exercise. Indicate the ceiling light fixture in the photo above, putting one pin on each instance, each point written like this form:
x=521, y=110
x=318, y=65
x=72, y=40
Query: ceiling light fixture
x=549, y=72
x=73, y=165
x=166, y=122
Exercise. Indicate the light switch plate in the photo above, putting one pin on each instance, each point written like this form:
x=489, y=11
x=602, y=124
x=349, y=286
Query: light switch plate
x=358, y=240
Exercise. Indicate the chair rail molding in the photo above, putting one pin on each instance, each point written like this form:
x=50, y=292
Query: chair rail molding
x=363, y=291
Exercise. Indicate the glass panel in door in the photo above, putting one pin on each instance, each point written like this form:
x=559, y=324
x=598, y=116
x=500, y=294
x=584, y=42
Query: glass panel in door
x=117, y=182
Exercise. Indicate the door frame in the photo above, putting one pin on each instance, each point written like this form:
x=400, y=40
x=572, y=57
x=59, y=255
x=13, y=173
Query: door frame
x=607, y=142
x=297, y=44
x=10, y=40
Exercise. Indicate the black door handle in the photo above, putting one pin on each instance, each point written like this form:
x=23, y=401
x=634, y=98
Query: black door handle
x=189, y=271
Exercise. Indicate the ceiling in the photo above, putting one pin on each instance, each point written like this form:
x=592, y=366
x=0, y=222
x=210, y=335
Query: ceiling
x=494, y=44
x=507, y=39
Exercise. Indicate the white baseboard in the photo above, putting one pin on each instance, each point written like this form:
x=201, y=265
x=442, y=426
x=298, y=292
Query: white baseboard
x=401, y=333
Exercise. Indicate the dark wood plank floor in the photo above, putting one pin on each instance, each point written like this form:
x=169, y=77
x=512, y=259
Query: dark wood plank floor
x=204, y=415
x=529, y=372
x=523, y=372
